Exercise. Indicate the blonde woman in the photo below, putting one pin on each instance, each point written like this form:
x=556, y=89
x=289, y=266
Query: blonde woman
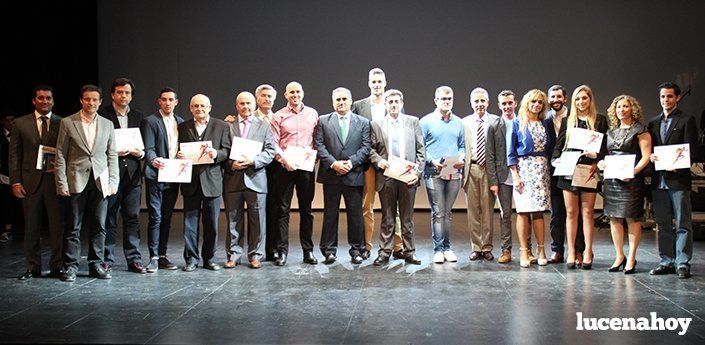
x=529, y=139
x=624, y=199
x=580, y=200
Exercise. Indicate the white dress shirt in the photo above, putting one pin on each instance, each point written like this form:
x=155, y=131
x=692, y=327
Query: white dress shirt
x=39, y=121
x=89, y=128
x=395, y=128
x=377, y=110
x=172, y=133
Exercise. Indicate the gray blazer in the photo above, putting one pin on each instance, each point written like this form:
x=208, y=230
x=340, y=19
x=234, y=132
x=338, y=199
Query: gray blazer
x=75, y=160
x=414, y=149
x=330, y=149
x=255, y=176
x=496, y=149
x=23, y=151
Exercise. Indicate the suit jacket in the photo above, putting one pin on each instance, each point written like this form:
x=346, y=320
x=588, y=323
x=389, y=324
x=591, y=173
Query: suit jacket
x=330, y=149
x=414, y=147
x=496, y=152
x=129, y=165
x=23, y=151
x=253, y=177
x=4, y=153
x=208, y=176
x=683, y=130
x=75, y=160
x=155, y=140
x=363, y=107
x=468, y=144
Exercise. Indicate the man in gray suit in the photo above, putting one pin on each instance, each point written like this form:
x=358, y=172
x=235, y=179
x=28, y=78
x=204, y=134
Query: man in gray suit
x=35, y=187
x=343, y=144
x=399, y=135
x=373, y=108
x=245, y=181
x=86, y=172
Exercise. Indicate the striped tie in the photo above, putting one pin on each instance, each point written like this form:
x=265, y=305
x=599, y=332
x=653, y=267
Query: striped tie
x=480, y=143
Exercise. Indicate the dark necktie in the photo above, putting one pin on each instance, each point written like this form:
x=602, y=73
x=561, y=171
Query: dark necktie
x=45, y=130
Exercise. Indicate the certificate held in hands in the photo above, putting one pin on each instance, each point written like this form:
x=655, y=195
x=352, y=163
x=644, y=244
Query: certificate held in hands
x=401, y=169
x=672, y=157
x=175, y=170
x=244, y=148
x=619, y=166
x=585, y=139
x=127, y=139
x=583, y=176
x=197, y=152
x=301, y=158
x=46, y=158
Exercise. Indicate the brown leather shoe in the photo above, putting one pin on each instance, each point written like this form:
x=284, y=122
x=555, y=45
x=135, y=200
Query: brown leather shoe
x=506, y=257
x=230, y=264
x=475, y=256
x=255, y=263
x=556, y=258
x=488, y=255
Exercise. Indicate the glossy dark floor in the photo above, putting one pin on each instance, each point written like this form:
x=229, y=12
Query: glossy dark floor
x=465, y=302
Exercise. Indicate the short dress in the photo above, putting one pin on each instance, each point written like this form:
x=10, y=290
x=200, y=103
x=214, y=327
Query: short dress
x=566, y=182
x=625, y=199
x=533, y=171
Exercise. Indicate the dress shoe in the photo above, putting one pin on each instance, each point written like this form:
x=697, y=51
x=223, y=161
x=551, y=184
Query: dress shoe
x=271, y=257
x=619, y=266
x=683, y=272
x=357, y=259
x=381, y=260
x=475, y=256
x=365, y=254
x=98, y=271
x=310, y=259
x=30, y=274
x=254, y=263
x=412, y=259
x=107, y=267
x=69, y=275
x=55, y=273
x=330, y=258
x=506, y=257
x=631, y=270
x=165, y=264
x=487, y=255
x=398, y=254
x=189, y=267
x=571, y=265
x=661, y=270
x=587, y=265
x=281, y=260
x=556, y=258
x=230, y=263
x=153, y=265
x=136, y=267
x=211, y=266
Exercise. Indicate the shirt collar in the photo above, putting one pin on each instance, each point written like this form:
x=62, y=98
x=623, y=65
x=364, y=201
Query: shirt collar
x=84, y=117
x=165, y=115
x=346, y=114
x=127, y=110
x=240, y=119
x=37, y=115
x=293, y=110
x=440, y=116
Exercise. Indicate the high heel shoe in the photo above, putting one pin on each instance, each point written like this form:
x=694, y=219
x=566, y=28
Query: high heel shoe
x=631, y=270
x=524, y=263
x=619, y=266
x=588, y=265
x=542, y=261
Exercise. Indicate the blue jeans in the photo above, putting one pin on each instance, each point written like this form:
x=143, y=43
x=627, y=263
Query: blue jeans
x=675, y=245
x=441, y=196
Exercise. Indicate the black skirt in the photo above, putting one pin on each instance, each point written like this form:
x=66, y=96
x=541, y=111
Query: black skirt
x=624, y=199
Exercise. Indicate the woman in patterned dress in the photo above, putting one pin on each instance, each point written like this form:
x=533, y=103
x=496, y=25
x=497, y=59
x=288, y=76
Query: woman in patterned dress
x=624, y=199
x=529, y=139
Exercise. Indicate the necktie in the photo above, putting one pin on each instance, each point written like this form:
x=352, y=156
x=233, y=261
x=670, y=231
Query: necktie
x=245, y=128
x=45, y=130
x=343, y=129
x=480, y=143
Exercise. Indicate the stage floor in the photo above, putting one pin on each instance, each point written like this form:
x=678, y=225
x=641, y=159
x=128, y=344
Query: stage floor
x=461, y=303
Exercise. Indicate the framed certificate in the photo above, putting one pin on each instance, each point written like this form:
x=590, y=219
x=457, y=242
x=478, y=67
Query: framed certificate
x=583, y=177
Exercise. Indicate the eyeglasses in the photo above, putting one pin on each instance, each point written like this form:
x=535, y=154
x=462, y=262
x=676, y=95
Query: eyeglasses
x=445, y=99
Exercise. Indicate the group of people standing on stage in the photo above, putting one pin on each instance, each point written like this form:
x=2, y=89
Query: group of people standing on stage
x=508, y=157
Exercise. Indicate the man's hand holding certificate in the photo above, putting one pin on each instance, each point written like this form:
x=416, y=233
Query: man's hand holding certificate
x=585, y=139
x=199, y=152
x=175, y=170
x=128, y=140
x=401, y=170
x=672, y=157
x=301, y=158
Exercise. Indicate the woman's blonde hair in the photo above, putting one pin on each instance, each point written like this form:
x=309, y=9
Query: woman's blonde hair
x=573, y=115
x=612, y=110
x=524, y=112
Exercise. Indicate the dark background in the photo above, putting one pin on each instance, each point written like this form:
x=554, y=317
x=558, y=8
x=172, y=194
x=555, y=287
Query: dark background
x=222, y=47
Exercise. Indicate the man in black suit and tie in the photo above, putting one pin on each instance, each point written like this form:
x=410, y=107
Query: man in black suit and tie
x=35, y=187
x=203, y=194
x=398, y=135
x=245, y=181
x=161, y=141
x=127, y=199
x=343, y=144
x=671, y=189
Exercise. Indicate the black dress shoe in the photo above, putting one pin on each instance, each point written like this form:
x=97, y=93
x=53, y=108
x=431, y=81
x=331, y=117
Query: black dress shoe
x=310, y=259
x=357, y=259
x=189, y=267
x=379, y=261
x=271, y=257
x=136, y=267
x=165, y=264
x=365, y=254
x=69, y=275
x=412, y=259
x=98, y=271
x=661, y=270
x=281, y=260
x=398, y=254
x=55, y=273
x=211, y=266
x=683, y=273
x=30, y=274
x=330, y=258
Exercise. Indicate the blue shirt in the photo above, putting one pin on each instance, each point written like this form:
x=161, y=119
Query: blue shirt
x=441, y=139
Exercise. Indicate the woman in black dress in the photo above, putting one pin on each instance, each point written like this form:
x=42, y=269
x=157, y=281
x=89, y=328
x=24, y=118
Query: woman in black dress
x=624, y=198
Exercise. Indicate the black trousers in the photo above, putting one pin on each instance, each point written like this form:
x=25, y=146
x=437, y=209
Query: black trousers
x=199, y=208
x=90, y=207
x=44, y=200
x=272, y=238
x=331, y=212
x=127, y=203
x=284, y=183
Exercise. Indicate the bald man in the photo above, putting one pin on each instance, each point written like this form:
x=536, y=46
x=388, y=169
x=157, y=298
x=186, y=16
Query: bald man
x=202, y=195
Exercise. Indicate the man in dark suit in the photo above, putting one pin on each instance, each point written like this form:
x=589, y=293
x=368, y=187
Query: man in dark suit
x=203, y=194
x=11, y=222
x=373, y=108
x=161, y=141
x=671, y=189
x=127, y=199
x=35, y=187
x=86, y=172
x=245, y=181
x=343, y=144
x=399, y=135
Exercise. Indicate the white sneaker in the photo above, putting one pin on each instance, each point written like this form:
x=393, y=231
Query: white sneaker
x=450, y=256
x=438, y=257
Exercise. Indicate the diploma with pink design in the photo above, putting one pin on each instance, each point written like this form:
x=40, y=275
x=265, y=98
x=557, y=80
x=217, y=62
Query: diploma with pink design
x=175, y=171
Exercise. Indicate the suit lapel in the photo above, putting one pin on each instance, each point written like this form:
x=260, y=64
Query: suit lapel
x=235, y=129
x=672, y=127
x=334, y=125
x=409, y=138
x=254, y=127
